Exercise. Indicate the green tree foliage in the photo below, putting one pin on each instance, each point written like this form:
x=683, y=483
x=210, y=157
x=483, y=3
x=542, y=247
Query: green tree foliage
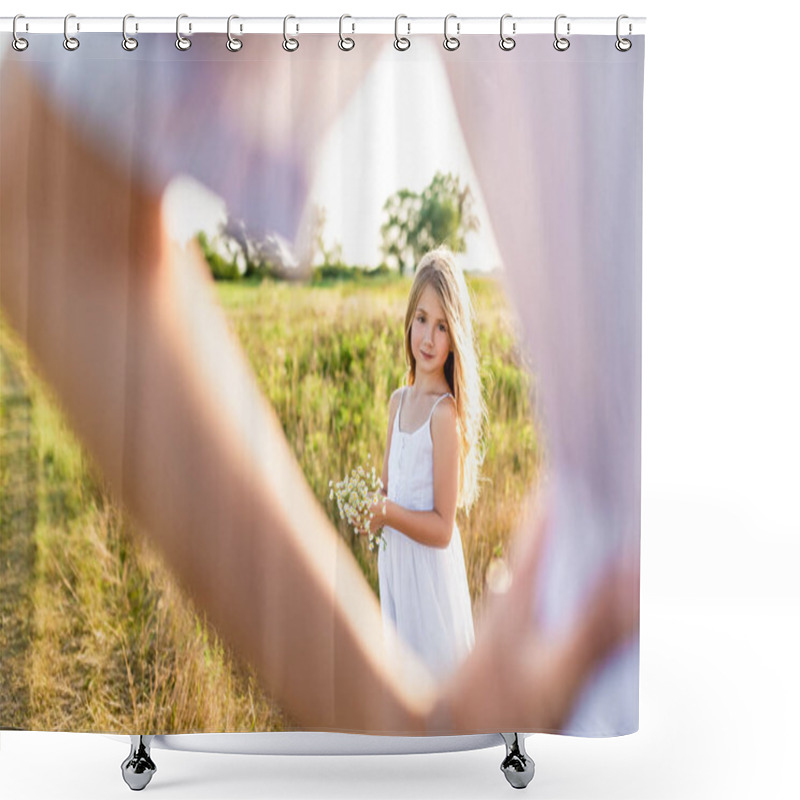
x=442, y=214
x=223, y=269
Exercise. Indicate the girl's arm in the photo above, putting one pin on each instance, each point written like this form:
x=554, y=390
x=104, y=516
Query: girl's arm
x=433, y=528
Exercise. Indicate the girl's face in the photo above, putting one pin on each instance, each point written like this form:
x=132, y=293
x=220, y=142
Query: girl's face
x=430, y=337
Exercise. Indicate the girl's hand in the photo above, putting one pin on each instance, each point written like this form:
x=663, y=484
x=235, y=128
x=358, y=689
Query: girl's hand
x=378, y=516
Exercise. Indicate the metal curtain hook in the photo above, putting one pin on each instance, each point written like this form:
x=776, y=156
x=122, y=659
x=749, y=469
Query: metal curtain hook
x=233, y=44
x=561, y=43
x=18, y=43
x=401, y=42
x=129, y=43
x=451, y=42
x=181, y=42
x=345, y=42
x=70, y=42
x=289, y=44
x=623, y=45
x=507, y=42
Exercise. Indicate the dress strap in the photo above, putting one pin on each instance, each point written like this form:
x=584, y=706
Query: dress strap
x=442, y=397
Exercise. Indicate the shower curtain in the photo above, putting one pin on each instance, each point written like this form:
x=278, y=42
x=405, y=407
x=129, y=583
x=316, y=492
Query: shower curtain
x=320, y=384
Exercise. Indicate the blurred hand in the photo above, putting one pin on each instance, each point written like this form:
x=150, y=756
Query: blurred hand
x=519, y=678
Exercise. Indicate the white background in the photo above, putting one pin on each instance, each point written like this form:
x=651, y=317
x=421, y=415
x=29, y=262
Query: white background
x=721, y=442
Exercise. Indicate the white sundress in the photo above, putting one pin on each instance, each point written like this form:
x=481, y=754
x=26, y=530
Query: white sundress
x=424, y=590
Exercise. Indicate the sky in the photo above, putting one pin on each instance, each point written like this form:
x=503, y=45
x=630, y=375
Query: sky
x=398, y=129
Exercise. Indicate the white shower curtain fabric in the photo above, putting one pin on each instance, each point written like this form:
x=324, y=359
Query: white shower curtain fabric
x=545, y=149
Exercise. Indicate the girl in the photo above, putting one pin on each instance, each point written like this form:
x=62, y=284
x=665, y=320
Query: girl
x=430, y=468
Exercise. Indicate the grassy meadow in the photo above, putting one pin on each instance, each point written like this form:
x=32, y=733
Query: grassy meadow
x=94, y=633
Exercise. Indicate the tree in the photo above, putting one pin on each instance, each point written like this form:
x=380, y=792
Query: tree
x=415, y=223
x=265, y=255
x=232, y=252
x=330, y=256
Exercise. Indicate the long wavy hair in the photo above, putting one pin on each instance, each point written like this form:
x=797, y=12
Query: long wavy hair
x=438, y=269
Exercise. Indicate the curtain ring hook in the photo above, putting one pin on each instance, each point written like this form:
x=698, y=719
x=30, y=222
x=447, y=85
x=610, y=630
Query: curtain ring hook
x=289, y=44
x=345, y=42
x=401, y=42
x=623, y=45
x=70, y=42
x=561, y=43
x=233, y=44
x=181, y=42
x=451, y=42
x=507, y=42
x=18, y=43
x=129, y=43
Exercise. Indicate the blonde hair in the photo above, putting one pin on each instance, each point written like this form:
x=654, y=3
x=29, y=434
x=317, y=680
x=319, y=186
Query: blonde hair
x=438, y=269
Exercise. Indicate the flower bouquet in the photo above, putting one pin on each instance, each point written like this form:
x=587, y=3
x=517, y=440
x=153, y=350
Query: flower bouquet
x=354, y=496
